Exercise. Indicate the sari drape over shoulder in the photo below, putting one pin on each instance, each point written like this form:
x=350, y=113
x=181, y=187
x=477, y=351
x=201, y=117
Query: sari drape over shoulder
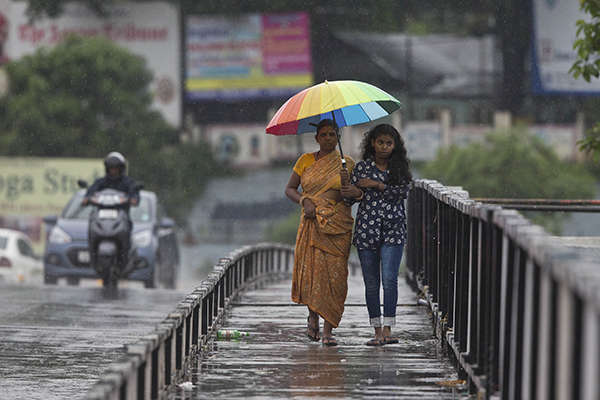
x=320, y=276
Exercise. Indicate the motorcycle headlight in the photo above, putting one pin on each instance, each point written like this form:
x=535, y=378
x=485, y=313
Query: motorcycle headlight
x=143, y=238
x=57, y=235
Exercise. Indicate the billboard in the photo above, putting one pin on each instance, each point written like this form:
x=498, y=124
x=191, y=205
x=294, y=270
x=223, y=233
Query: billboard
x=554, y=35
x=149, y=29
x=248, y=56
x=42, y=186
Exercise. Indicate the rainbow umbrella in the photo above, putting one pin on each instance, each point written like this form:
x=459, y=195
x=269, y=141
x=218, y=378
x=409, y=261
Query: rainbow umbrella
x=346, y=102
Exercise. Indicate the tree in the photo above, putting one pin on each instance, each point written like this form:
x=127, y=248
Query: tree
x=512, y=165
x=587, y=65
x=84, y=94
x=53, y=8
x=87, y=97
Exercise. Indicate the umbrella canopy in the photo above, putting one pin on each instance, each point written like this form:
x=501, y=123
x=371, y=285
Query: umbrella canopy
x=346, y=102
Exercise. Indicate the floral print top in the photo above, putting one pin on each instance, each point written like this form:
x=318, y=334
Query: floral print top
x=381, y=216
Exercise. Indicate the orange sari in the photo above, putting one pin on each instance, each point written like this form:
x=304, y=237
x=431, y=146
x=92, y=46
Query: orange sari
x=320, y=273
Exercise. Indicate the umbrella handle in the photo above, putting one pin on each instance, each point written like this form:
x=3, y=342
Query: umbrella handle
x=339, y=141
x=341, y=152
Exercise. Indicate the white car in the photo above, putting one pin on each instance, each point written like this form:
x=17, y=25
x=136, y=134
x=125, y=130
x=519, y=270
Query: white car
x=18, y=261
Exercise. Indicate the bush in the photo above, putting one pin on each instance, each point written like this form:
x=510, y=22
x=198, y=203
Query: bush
x=513, y=165
x=285, y=230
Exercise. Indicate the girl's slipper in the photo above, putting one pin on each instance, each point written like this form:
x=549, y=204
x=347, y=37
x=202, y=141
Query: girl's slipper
x=375, y=342
x=390, y=340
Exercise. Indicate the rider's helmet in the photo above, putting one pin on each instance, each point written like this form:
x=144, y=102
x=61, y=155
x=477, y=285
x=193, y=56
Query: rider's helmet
x=115, y=159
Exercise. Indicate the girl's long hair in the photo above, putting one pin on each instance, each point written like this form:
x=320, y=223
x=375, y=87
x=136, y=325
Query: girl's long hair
x=399, y=164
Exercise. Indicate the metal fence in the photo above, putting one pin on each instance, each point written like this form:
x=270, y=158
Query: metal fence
x=520, y=314
x=159, y=358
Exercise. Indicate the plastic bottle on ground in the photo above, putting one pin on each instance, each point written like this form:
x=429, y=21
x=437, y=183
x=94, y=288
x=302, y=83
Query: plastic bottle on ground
x=226, y=334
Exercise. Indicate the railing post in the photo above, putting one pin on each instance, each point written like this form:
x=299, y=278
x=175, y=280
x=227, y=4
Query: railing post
x=546, y=339
x=494, y=324
x=516, y=333
x=472, y=330
x=462, y=312
x=564, y=378
x=590, y=363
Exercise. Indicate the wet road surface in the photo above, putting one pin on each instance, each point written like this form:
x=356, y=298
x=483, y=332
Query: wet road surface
x=57, y=340
x=278, y=361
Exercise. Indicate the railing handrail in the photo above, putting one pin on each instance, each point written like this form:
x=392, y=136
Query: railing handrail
x=159, y=358
x=489, y=275
x=554, y=202
x=533, y=238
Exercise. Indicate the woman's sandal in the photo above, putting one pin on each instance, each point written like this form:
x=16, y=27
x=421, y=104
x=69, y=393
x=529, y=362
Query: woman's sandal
x=315, y=331
x=390, y=340
x=375, y=342
x=329, y=341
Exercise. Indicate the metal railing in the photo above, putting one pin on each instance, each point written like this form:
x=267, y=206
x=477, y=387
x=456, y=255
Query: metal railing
x=549, y=205
x=520, y=314
x=159, y=358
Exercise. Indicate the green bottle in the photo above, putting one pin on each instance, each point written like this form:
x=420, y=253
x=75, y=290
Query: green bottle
x=226, y=334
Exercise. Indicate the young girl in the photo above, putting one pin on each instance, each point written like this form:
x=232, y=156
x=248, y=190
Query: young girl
x=384, y=177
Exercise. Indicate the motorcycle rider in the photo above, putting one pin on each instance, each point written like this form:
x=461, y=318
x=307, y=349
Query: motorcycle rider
x=115, y=167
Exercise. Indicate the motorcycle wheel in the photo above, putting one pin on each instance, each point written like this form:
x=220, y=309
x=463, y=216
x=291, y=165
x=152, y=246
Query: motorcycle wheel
x=150, y=283
x=110, y=278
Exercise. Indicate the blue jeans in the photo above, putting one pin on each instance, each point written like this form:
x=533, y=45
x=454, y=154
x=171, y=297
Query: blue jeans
x=381, y=266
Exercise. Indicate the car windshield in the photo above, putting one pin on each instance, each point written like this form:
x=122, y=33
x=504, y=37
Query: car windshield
x=3, y=241
x=139, y=213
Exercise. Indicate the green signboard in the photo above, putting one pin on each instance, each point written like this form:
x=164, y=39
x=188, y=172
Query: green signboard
x=42, y=186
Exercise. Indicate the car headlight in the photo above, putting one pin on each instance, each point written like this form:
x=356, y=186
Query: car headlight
x=143, y=238
x=57, y=235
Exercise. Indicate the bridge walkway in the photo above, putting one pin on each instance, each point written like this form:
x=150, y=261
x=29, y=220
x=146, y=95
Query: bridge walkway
x=277, y=360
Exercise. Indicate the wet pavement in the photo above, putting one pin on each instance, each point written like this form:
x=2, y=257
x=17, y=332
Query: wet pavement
x=278, y=361
x=57, y=340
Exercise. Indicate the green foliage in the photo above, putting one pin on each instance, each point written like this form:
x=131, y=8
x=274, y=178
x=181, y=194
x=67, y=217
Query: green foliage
x=285, y=230
x=587, y=44
x=53, y=8
x=85, y=94
x=591, y=142
x=87, y=97
x=587, y=65
x=177, y=173
x=512, y=165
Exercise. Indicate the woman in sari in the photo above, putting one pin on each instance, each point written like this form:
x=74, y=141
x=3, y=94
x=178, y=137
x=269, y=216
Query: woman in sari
x=323, y=241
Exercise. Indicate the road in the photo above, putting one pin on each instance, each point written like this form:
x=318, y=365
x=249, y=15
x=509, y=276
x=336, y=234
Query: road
x=57, y=340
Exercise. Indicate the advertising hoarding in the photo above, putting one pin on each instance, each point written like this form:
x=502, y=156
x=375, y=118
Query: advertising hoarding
x=554, y=35
x=149, y=29
x=248, y=56
x=37, y=187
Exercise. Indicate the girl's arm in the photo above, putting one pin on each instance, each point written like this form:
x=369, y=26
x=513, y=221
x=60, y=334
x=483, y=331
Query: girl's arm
x=358, y=172
x=395, y=193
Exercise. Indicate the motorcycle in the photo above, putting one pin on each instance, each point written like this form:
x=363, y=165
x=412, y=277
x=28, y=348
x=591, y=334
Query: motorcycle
x=109, y=237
